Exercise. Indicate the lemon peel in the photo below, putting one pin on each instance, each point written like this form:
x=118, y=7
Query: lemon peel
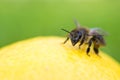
x=46, y=58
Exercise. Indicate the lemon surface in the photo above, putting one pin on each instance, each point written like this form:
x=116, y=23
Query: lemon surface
x=47, y=58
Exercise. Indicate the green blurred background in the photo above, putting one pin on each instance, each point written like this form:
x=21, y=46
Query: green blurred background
x=22, y=19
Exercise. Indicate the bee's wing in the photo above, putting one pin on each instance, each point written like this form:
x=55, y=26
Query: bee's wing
x=97, y=31
x=76, y=23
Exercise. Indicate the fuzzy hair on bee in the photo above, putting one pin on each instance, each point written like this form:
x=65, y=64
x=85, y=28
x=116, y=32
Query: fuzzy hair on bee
x=97, y=38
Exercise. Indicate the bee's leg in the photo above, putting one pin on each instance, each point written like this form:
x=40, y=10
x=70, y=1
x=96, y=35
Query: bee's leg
x=96, y=50
x=66, y=40
x=89, y=45
x=82, y=41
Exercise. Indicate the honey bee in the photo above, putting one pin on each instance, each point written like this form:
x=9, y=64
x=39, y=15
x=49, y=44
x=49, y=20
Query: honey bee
x=79, y=34
x=93, y=36
x=97, y=38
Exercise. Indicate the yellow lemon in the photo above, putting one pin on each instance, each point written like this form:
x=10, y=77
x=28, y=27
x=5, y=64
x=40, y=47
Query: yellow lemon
x=46, y=58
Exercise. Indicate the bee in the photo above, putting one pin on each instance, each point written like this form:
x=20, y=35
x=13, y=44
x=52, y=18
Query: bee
x=79, y=34
x=82, y=35
x=97, y=38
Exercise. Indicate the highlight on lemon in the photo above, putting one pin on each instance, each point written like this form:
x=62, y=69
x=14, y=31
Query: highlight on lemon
x=47, y=58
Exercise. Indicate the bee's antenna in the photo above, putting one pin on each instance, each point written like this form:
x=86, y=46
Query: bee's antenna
x=66, y=31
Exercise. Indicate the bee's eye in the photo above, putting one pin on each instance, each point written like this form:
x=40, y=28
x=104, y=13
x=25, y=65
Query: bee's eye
x=99, y=37
x=77, y=35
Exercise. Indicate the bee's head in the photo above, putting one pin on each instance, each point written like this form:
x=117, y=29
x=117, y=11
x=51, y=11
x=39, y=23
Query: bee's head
x=75, y=36
x=100, y=40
